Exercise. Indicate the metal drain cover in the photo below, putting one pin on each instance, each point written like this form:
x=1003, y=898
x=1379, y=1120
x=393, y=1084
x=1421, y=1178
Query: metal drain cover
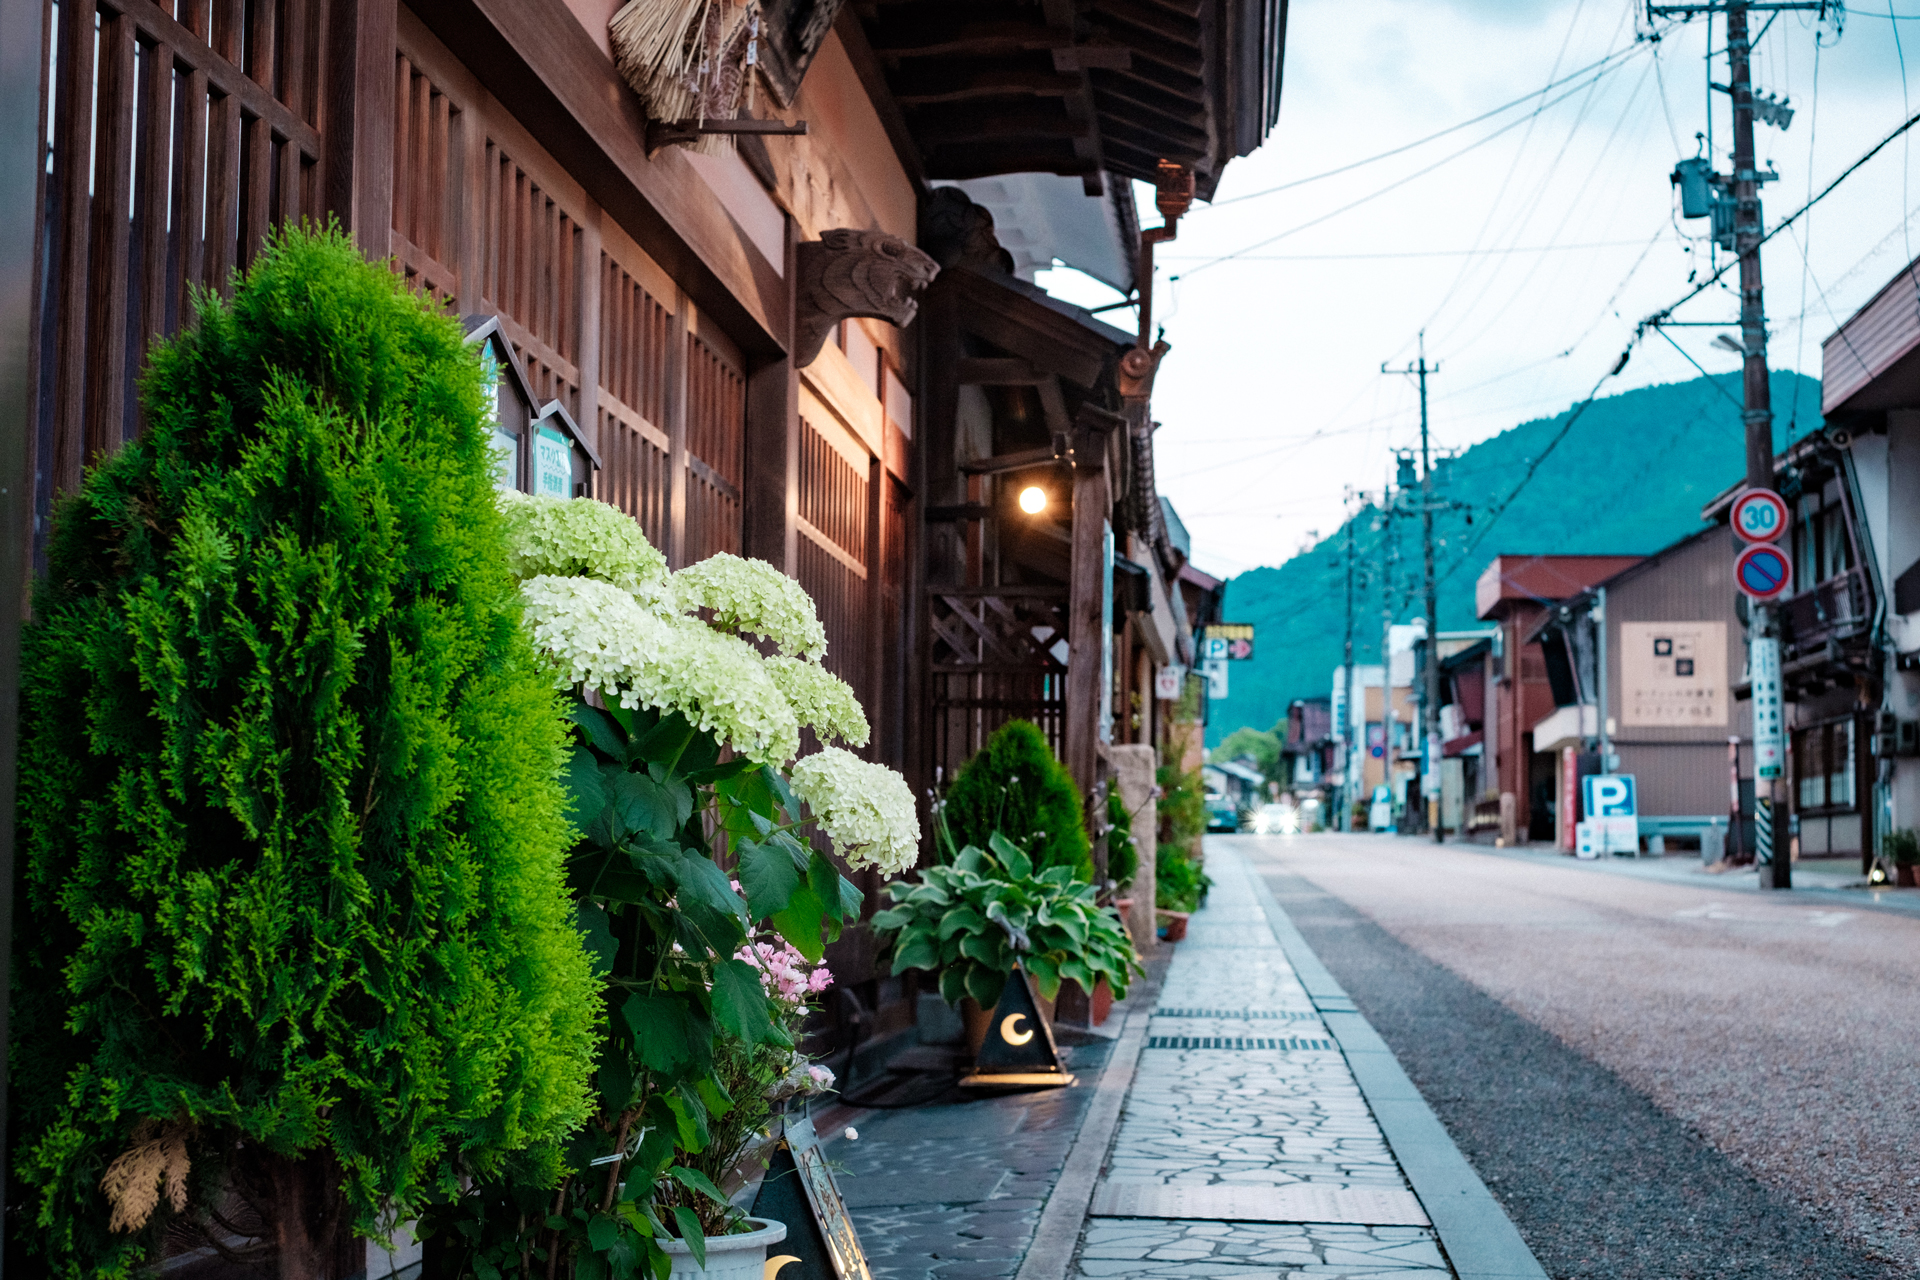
x=1235, y=1042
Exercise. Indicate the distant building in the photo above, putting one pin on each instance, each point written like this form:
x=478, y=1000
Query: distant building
x=1671, y=641
x=1515, y=592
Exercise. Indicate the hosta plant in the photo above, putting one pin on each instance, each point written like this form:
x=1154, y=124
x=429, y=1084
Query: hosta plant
x=969, y=919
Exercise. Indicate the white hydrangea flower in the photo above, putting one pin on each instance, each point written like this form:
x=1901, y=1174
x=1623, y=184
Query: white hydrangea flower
x=753, y=596
x=865, y=809
x=600, y=637
x=579, y=537
x=821, y=700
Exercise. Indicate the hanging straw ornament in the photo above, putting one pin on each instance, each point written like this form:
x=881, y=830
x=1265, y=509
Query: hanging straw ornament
x=689, y=60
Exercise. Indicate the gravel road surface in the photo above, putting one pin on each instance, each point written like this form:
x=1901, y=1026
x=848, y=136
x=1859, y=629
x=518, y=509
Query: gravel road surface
x=1660, y=1080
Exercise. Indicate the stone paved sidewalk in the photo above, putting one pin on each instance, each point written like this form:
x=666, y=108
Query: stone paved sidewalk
x=1242, y=1104
x=952, y=1190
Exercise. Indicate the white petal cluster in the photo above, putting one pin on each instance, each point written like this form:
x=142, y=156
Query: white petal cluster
x=579, y=537
x=602, y=638
x=821, y=700
x=753, y=596
x=866, y=809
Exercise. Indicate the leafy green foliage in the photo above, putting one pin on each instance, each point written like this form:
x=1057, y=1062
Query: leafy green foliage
x=291, y=817
x=1653, y=456
x=1183, y=807
x=1123, y=858
x=1015, y=786
x=1261, y=746
x=1179, y=882
x=969, y=920
x=1902, y=845
x=693, y=1041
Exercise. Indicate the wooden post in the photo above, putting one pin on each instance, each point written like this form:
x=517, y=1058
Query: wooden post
x=771, y=505
x=1085, y=634
x=360, y=109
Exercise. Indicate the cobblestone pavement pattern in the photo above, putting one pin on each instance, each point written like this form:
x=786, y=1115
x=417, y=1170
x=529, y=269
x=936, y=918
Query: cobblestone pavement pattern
x=1234, y=1117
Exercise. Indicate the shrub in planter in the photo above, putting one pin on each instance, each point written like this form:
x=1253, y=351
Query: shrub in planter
x=970, y=919
x=689, y=860
x=1179, y=883
x=294, y=942
x=1183, y=807
x=1123, y=856
x=1015, y=786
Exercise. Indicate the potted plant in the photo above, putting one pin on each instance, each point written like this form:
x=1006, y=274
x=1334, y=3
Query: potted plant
x=1016, y=787
x=759, y=1080
x=970, y=919
x=1179, y=888
x=1902, y=848
x=684, y=733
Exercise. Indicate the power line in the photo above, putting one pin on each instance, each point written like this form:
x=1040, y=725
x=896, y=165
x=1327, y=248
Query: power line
x=1421, y=142
x=1392, y=186
x=1653, y=322
x=1423, y=253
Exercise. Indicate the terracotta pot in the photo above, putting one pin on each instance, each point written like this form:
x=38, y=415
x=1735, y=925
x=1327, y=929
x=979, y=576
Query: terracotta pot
x=1175, y=923
x=977, y=1021
x=1101, y=1003
x=1903, y=875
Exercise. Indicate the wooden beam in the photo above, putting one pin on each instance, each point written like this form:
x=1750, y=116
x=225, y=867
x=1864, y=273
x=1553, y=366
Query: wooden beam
x=1011, y=462
x=946, y=126
x=954, y=161
x=897, y=38
x=1086, y=632
x=933, y=85
x=853, y=38
x=1147, y=96
x=1172, y=142
x=997, y=371
x=1151, y=21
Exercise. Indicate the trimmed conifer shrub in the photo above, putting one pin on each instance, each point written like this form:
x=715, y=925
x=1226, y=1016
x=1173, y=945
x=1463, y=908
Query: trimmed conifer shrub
x=1016, y=786
x=295, y=950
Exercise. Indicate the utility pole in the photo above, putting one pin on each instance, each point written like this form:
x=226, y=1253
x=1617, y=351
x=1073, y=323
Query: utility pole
x=1430, y=754
x=1346, y=727
x=1386, y=636
x=1743, y=187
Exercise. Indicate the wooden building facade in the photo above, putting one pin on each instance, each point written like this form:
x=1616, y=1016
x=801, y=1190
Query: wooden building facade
x=733, y=334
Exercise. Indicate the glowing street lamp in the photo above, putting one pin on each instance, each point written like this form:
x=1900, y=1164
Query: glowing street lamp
x=1033, y=499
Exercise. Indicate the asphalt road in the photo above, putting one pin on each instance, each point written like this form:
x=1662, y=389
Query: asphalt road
x=1659, y=1080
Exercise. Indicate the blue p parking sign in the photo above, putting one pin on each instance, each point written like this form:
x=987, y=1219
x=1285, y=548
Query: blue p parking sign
x=1609, y=795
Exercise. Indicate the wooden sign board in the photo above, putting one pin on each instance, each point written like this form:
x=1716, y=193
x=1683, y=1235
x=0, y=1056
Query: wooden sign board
x=1019, y=1048
x=799, y=1190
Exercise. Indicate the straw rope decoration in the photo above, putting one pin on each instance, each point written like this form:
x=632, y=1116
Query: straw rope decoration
x=689, y=60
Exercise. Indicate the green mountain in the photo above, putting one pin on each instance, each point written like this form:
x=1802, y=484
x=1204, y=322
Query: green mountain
x=1629, y=478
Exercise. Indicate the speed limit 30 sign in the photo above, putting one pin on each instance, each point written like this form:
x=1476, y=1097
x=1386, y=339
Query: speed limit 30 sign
x=1759, y=515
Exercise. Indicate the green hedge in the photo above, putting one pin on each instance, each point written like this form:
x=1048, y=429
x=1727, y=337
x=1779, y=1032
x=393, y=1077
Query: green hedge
x=1015, y=785
x=291, y=813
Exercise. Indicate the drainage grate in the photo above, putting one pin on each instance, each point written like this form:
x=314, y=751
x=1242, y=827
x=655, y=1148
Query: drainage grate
x=1288, y=1015
x=1235, y=1042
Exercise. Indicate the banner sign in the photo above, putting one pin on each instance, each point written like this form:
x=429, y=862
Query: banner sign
x=1769, y=737
x=1673, y=674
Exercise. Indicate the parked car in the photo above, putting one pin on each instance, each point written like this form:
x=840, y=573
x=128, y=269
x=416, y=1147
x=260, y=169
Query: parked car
x=1221, y=813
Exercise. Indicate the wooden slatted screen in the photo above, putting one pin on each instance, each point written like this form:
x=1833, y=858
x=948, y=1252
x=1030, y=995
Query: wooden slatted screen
x=833, y=554
x=427, y=182
x=636, y=337
x=179, y=135
x=529, y=271
x=716, y=447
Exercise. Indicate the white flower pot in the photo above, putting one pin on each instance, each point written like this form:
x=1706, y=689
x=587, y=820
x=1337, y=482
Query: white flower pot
x=735, y=1257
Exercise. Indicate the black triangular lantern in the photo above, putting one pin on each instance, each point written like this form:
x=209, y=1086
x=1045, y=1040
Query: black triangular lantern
x=1019, y=1048
x=799, y=1190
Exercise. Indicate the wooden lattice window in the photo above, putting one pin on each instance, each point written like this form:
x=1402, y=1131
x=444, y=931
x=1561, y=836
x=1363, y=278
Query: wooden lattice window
x=833, y=552
x=636, y=340
x=716, y=446
x=529, y=272
x=178, y=136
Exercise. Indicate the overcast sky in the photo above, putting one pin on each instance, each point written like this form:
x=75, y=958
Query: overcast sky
x=1527, y=259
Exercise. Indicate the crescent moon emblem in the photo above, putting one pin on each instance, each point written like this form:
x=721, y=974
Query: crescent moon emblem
x=1010, y=1034
x=773, y=1266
